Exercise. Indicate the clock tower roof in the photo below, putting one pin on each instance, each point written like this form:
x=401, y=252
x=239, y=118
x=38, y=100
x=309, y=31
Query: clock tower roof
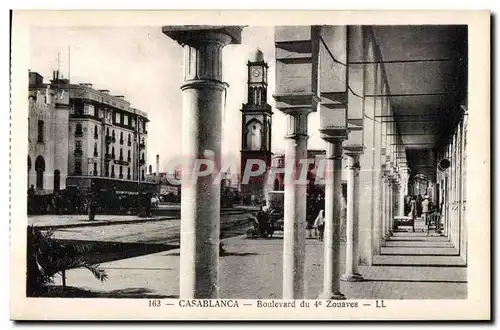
x=258, y=56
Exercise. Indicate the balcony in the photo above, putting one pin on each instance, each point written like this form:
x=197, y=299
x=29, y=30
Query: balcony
x=78, y=134
x=142, y=162
x=121, y=141
x=109, y=139
x=113, y=139
x=113, y=156
x=142, y=145
x=129, y=143
x=78, y=152
x=120, y=176
x=121, y=162
x=108, y=157
x=96, y=154
x=112, y=174
x=96, y=136
x=121, y=158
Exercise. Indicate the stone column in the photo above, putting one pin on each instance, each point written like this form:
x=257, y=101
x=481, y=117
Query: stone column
x=296, y=95
x=294, y=245
x=331, y=277
x=352, y=225
x=201, y=139
x=401, y=200
x=384, y=204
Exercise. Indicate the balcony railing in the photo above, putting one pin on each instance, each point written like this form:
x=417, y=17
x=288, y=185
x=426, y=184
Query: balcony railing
x=108, y=157
x=142, y=145
x=121, y=141
x=142, y=162
x=78, y=134
x=120, y=176
x=129, y=143
x=78, y=152
x=109, y=139
x=96, y=154
x=112, y=174
x=96, y=136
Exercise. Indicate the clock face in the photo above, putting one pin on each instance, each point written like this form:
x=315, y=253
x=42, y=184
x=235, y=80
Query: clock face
x=256, y=73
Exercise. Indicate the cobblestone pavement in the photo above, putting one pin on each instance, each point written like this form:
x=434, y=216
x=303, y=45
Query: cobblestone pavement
x=252, y=269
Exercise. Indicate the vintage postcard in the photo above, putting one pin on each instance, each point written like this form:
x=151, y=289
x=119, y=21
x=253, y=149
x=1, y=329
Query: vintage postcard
x=250, y=165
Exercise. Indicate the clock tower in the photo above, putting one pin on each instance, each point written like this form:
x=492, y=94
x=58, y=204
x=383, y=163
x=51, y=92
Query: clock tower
x=256, y=127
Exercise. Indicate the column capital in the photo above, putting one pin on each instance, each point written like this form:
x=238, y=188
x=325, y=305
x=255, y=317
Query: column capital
x=334, y=135
x=196, y=34
x=296, y=102
x=354, y=150
x=203, y=46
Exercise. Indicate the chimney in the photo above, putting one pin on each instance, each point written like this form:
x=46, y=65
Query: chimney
x=157, y=164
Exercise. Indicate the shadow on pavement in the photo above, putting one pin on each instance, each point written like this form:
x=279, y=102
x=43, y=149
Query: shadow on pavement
x=102, y=251
x=74, y=292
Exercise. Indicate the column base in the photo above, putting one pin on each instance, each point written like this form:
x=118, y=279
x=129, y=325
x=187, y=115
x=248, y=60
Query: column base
x=332, y=296
x=351, y=277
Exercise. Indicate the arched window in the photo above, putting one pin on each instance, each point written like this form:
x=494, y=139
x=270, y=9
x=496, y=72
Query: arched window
x=40, y=131
x=254, y=135
x=57, y=180
x=40, y=169
x=78, y=130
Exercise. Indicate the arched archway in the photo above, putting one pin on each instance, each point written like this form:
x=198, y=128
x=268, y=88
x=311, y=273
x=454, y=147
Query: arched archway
x=40, y=169
x=254, y=134
x=57, y=180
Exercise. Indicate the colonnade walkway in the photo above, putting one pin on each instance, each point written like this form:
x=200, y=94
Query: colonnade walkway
x=410, y=266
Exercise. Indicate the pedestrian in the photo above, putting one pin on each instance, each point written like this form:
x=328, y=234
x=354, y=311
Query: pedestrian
x=320, y=224
x=31, y=199
x=426, y=210
x=413, y=210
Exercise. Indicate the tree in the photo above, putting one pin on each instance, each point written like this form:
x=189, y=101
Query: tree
x=47, y=257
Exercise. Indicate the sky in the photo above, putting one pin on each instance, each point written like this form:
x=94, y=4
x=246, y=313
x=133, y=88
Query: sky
x=145, y=66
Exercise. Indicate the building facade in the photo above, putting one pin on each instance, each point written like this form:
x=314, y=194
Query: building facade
x=95, y=134
x=48, y=120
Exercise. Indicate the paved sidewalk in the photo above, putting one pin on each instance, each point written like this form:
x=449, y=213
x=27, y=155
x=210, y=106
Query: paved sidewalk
x=252, y=269
x=82, y=220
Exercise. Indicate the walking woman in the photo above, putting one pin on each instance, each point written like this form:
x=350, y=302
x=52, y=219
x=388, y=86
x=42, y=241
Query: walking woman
x=320, y=224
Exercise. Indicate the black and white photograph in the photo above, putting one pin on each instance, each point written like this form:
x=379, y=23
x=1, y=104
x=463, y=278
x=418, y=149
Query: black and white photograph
x=320, y=166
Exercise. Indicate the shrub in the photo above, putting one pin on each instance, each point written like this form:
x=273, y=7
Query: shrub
x=47, y=257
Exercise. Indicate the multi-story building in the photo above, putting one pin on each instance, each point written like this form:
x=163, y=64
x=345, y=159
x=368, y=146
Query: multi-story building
x=48, y=120
x=104, y=136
